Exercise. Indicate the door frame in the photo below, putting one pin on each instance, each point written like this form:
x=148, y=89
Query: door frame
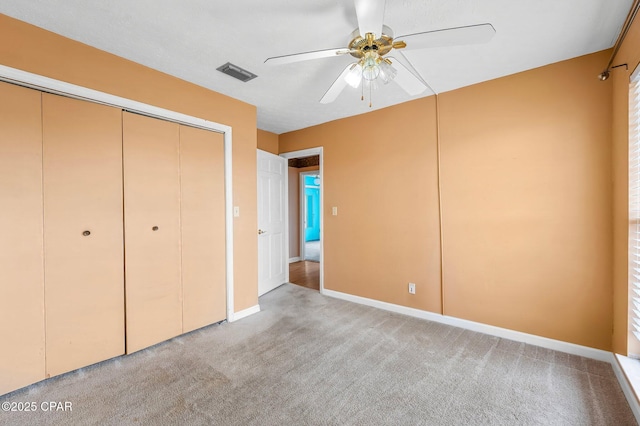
x=308, y=153
x=57, y=87
x=303, y=210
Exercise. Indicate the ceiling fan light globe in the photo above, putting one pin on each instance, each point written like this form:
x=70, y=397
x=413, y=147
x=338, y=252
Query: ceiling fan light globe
x=370, y=69
x=354, y=76
x=387, y=72
x=371, y=73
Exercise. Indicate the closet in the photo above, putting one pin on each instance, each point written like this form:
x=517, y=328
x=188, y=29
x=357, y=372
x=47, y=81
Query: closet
x=152, y=230
x=83, y=252
x=174, y=229
x=21, y=258
x=113, y=228
x=203, y=227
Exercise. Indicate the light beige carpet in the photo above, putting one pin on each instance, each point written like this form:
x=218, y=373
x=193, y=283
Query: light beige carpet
x=311, y=360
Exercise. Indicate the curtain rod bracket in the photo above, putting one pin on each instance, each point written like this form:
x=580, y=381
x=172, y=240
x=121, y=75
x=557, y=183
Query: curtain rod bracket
x=621, y=65
x=604, y=75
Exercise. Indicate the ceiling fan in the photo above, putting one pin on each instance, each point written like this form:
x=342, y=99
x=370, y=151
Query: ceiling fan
x=372, y=41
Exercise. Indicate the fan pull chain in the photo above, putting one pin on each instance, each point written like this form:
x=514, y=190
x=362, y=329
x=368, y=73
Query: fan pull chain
x=370, y=103
x=362, y=88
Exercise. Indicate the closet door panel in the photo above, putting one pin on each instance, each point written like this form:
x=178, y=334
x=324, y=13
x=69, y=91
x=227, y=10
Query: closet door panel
x=203, y=227
x=21, y=270
x=83, y=242
x=152, y=230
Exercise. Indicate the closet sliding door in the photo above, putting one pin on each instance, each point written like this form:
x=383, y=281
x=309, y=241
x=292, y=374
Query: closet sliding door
x=203, y=227
x=21, y=271
x=152, y=230
x=83, y=242
x=105, y=213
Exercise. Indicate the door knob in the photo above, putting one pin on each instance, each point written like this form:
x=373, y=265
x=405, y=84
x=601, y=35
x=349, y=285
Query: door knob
x=260, y=232
x=86, y=233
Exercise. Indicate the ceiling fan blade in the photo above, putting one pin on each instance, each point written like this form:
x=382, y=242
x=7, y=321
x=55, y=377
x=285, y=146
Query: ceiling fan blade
x=370, y=14
x=305, y=56
x=473, y=34
x=406, y=79
x=337, y=87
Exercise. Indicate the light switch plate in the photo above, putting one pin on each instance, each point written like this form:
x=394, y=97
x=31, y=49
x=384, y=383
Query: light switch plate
x=334, y=211
x=236, y=211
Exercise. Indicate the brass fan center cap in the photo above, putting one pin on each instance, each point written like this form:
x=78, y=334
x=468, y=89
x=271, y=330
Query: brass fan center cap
x=360, y=46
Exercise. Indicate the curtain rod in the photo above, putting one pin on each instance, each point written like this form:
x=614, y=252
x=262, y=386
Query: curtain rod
x=623, y=33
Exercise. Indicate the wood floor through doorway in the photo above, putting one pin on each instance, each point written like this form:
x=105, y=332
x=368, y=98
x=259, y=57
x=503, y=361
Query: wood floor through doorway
x=305, y=274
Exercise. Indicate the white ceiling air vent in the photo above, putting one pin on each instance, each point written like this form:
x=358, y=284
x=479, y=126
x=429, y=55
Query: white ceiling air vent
x=236, y=72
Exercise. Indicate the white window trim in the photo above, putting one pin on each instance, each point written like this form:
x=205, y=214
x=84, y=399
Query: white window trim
x=634, y=203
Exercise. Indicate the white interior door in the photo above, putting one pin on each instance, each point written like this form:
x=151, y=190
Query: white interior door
x=272, y=256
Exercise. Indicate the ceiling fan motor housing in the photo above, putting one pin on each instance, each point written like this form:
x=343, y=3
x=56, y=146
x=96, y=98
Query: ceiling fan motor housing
x=360, y=46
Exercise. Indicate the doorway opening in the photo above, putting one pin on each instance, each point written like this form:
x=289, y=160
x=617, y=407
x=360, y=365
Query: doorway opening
x=310, y=216
x=305, y=224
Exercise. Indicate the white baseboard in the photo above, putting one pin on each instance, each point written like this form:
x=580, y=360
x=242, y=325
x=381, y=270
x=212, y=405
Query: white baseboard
x=626, y=387
x=518, y=336
x=244, y=313
x=294, y=259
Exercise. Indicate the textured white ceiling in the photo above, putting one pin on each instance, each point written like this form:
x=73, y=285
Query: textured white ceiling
x=191, y=38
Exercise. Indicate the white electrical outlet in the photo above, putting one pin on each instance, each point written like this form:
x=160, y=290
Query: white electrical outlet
x=412, y=288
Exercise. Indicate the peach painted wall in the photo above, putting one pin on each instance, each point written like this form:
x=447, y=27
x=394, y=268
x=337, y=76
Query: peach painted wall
x=41, y=52
x=526, y=202
x=294, y=208
x=268, y=141
x=384, y=183
x=526, y=197
x=629, y=53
